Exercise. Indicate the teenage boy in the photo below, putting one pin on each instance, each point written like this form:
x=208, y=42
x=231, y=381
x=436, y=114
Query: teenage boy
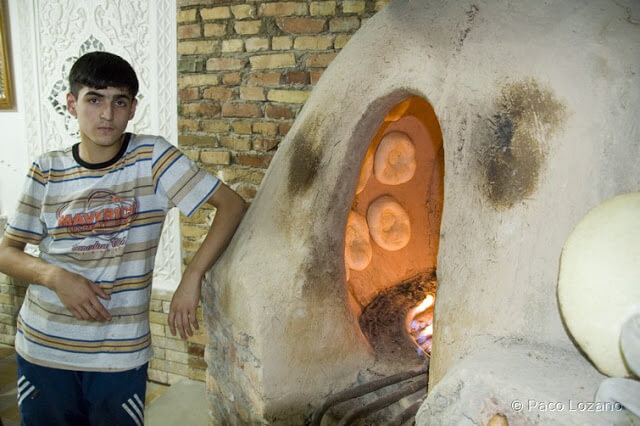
x=96, y=211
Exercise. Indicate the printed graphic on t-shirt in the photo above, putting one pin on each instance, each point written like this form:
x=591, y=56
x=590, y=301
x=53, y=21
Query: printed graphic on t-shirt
x=104, y=216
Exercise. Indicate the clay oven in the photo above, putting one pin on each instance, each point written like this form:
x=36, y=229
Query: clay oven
x=535, y=110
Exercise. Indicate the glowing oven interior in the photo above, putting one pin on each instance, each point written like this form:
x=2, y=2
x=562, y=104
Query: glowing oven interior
x=393, y=231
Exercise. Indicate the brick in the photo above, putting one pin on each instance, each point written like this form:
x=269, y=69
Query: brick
x=158, y=318
x=175, y=356
x=215, y=126
x=199, y=336
x=193, y=154
x=186, y=15
x=381, y=4
x=278, y=112
x=243, y=11
x=265, y=128
x=189, y=31
x=186, y=124
x=242, y=127
x=157, y=376
x=341, y=41
x=220, y=94
x=264, y=79
x=260, y=161
x=197, y=80
x=206, y=47
x=198, y=374
x=190, y=245
x=215, y=157
x=343, y=25
x=163, y=294
x=288, y=96
x=237, y=143
x=281, y=43
x=282, y=8
x=233, y=45
x=322, y=8
x=320, y=60
x=252, y=93
x=313, y=43
x=215, y=13
x=218, y=64
x=296, y=77
x=215, y=30
x=195, y=350
x=256, y=44
x=235, y=174
x=278, y=60
x=166, y=306
x=156, y=329
x=265, y=144
x=246, y=191
x=241, y=110
x=231, y=79
x=247, y=27
x=189, y=94
x=200, y=216
x=159, y=353
x=283, y=128
x=196, y=363
x=315, y=75
x=176, y=368
x=189, y=231
x=200, y=109
x=155, y=305
x=194, y=140
x=353, y=6
x=190, y=64
x=300, y=25
x=171, y=343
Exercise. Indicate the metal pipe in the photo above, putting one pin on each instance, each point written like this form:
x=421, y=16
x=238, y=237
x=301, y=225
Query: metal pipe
x=364, y=389
x=383, y=402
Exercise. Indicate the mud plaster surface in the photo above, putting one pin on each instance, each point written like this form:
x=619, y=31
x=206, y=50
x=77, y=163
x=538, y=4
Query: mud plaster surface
x=515, y=149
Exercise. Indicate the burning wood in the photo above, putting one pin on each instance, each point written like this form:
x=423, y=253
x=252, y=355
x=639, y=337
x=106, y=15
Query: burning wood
x=419, y=324
x=394, y=320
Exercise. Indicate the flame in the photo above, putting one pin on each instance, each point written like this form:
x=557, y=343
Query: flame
x=419, y=325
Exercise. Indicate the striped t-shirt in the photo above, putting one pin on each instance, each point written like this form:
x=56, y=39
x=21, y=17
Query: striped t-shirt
x=102, y=221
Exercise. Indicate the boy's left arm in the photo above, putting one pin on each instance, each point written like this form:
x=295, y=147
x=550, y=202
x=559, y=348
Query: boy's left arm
x=230, y=208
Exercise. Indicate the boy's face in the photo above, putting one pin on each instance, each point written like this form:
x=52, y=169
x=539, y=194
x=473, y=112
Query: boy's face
x=102, y=114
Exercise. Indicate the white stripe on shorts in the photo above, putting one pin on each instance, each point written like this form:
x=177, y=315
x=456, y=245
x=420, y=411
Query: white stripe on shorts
x=26, y=394
x=131, y=413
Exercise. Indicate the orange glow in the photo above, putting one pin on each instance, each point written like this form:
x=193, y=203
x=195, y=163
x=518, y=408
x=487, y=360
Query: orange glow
x=419, y=325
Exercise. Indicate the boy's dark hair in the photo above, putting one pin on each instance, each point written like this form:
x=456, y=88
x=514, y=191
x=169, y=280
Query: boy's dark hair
x=101, y=70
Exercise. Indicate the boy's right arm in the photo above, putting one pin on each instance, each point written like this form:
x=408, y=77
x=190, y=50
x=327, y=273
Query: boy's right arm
x=77, y=293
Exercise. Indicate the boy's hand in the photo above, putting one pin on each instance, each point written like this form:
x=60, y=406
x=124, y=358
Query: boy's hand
x=182, y=313
x=79, y=295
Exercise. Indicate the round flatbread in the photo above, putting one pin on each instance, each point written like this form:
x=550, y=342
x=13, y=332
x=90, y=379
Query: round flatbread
x=395, y=159
x=599, y=280
x=357, y=245
x=389, y=223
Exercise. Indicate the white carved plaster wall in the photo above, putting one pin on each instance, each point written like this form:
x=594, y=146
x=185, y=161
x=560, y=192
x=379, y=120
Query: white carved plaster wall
x=53, y=33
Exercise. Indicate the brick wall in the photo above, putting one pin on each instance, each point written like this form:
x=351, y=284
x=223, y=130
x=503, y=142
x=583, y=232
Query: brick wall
x=245, y=69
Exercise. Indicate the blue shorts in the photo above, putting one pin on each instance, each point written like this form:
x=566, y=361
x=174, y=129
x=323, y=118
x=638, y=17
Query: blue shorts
x=52, y=397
